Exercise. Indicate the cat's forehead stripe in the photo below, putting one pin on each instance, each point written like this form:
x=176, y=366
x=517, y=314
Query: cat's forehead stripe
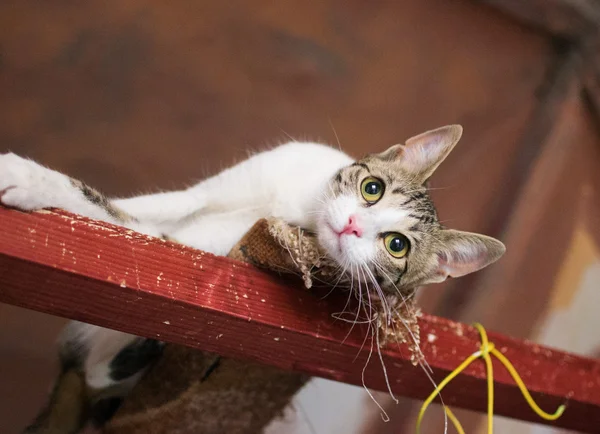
x=354, y=176
x=386, y=175
x=389, y=179
x=363, y=165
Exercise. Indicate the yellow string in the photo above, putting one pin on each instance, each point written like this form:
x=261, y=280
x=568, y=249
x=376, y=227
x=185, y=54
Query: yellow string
x=513, y=372
x=455, y=421
x=443, y=384
x=486, y=347
x=485, y=350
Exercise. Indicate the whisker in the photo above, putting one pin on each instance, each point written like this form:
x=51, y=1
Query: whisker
x=385, y=374
x=359, y=304
x=371, y=319
x=349, y=292
x=380, y=293
x=384, y=415
x=286, y=133
x=413, y=337
x=429, y=189
x=342, y=274
x=388, y=319
x=335, y=133
x=338, y=315
x=422, y=361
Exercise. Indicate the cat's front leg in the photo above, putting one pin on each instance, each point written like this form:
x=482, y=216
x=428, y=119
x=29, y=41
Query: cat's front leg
x=26, y=185
x=29, y=186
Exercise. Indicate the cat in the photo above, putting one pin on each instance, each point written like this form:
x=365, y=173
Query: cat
x=372, y=215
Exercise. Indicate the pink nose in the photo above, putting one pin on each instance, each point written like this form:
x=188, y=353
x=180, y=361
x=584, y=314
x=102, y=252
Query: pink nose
x=352, y=227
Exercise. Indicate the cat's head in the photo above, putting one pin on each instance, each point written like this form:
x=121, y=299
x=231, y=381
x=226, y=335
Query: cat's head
x=378, y=222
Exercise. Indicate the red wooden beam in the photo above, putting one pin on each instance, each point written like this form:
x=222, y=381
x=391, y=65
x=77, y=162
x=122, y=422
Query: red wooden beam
x=91, y=271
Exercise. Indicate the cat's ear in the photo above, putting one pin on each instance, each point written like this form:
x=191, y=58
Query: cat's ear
x=422, y=154
x=462, y=253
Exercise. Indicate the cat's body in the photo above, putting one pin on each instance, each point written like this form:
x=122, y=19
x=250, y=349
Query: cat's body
x=212, y=215
x=373, y=216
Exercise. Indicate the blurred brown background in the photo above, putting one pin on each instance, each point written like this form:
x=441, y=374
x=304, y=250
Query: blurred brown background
x=135, y=96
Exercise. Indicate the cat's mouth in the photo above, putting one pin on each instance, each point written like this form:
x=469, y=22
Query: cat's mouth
x=344, y=247
x=335, y=235
x=340, y=238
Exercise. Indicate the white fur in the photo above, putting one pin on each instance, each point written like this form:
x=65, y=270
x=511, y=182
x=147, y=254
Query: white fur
x=287, y=182
x=100, y=345
x=26, y=185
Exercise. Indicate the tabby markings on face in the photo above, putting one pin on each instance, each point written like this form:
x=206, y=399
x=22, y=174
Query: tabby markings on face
x=380, y=224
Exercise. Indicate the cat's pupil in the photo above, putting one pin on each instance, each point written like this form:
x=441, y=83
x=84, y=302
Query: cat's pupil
x=372, y=188
x=397, y=244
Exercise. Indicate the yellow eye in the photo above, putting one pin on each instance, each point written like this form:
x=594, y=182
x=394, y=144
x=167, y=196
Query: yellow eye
x=371, y=189
x=396, y=244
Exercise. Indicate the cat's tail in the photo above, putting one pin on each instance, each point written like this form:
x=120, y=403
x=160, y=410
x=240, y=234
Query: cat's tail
x=67, y=409
x=112, y=360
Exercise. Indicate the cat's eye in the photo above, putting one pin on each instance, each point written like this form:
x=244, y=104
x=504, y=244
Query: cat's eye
x=371, y=189
x=396, y=244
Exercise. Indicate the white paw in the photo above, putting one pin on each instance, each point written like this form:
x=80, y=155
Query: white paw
x=26, y=185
